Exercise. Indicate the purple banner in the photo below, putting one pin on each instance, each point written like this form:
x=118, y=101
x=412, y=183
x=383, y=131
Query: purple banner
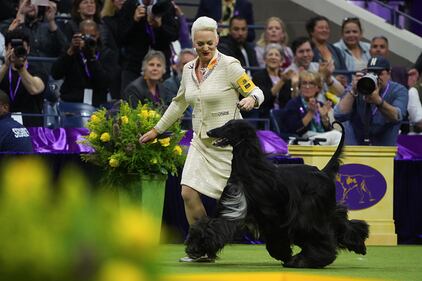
x=60, y=140
x=409, y=147
x=64, y=140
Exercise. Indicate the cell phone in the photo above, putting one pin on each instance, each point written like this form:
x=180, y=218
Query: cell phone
x=40, y=2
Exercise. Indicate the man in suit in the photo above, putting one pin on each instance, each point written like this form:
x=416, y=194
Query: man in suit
x=223, y=10
x=235, y=43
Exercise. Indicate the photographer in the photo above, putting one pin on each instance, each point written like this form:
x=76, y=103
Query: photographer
x=374, y=107
x=46, y=39
x=86, y=67
x=145, y=25
x=22, y=81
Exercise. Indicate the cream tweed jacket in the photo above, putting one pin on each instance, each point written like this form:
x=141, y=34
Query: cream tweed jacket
x=214, y=100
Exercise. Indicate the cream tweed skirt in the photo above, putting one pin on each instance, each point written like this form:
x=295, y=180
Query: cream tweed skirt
x=207, y=167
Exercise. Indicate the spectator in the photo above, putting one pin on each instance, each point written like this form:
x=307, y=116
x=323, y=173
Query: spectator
x=142, y=28
x=272, y=81
x=307, y=117
x=374, y=118
x=13, y=136
x=303, y=56
x=110, y=15
x=318, y=29
x=414, y=106
x=23, y=81
x=86, y=67
x=275, y=32
x=418, y=64
x=235, y=44
x=223, y=10
x=379, y=47
x=148, y=87
x=172, y=84
x=355, y=52
x=88, y=10
x=46, y=39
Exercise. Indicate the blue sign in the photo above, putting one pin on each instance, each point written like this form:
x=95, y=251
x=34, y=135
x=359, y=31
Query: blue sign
x=359, y=186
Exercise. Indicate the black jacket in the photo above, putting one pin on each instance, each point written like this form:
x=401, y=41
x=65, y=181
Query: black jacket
x=230, y=47
x=139, y=37
x=72, y=70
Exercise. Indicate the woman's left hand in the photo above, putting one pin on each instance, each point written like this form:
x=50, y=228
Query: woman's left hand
x=246, y=104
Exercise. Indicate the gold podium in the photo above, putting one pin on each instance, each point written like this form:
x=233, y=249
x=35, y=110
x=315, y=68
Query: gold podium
x=378, y=160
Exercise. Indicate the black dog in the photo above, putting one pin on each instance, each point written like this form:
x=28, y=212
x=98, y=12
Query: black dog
x=287, y=204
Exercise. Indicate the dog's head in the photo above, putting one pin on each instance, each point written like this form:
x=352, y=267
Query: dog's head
x=232, y=133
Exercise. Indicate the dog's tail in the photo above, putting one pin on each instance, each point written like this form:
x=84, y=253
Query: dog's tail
x=333, y=165
x=351, y=234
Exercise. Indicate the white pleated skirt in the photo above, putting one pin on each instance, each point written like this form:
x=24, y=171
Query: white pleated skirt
x=207, y=167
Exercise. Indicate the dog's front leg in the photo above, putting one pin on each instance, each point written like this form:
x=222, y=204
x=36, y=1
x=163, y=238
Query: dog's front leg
x=208, y=236
x=278, y=245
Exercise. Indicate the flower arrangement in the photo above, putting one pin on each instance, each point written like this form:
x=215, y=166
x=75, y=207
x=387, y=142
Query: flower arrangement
x=114, y=137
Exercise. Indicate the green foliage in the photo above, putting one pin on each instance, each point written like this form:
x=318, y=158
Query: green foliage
x=115, y=139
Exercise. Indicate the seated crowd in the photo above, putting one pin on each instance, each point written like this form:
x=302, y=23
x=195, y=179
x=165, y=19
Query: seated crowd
x=135, y=50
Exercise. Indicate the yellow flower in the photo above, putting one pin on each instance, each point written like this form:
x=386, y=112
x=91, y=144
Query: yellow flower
x=154, y=141
x=165, y=142
x=153, y=161
x=177, y=150
x=153, y=113
x=95, y=119
x=114, y=162
x=124, y=119
x=92, y=136
x=121, y=270
x=105, y=137
x=129, y=229
x=144, y=114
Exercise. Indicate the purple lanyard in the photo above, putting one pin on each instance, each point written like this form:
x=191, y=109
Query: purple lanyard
x=156, y=98
x=84, y=61
x=13, y=92
x=374, y=108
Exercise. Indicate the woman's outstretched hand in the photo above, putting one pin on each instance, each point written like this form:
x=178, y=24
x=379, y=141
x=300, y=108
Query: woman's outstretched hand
x=148, y=136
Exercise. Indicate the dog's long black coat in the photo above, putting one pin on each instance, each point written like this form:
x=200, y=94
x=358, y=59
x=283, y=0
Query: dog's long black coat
x=288, y=204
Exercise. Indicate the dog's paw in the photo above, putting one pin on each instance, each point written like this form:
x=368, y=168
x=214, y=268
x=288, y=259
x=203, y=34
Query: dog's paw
x=300, y=261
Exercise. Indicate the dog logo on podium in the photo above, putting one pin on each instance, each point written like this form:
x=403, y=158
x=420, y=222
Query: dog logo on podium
x=359, y=186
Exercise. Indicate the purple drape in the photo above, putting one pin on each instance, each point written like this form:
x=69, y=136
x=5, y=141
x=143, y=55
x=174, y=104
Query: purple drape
x=60, y=140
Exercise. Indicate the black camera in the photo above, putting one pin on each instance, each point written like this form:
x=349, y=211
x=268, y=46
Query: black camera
x=18, y=48
x=367, y=84
x=89, y=40
x=160, y=8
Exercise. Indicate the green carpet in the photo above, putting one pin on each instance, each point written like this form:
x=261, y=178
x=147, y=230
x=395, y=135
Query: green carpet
x=400, y=263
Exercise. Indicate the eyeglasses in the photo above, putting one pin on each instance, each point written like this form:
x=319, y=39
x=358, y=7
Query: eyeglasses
x=307, y=84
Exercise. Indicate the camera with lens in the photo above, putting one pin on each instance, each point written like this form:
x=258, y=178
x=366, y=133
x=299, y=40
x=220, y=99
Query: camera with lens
x=18, y=49
x=159, y=8
x=89, y=41
x=367, y=84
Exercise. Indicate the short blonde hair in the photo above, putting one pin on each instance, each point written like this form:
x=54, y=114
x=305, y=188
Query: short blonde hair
x=309, y=75
x=204, y=24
